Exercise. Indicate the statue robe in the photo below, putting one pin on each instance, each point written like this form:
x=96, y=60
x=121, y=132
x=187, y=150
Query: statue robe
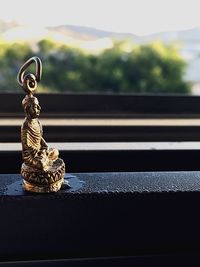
x=31, y=136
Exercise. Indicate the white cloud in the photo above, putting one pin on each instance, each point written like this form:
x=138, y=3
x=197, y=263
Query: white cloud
x=136, y=16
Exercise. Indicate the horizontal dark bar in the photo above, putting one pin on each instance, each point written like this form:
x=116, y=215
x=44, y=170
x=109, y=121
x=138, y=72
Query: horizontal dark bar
x=106, y=105
x=108, y=133
x=111, y=214
x=117, y=160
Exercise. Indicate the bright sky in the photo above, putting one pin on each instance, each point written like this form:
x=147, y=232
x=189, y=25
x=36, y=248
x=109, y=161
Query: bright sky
x=135, y=16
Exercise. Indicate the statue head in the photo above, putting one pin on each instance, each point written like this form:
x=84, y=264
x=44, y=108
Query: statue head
x=31, y=107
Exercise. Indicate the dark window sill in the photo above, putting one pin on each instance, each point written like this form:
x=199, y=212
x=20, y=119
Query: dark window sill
x=106, y=106
x=102, y=215
x=114, y=157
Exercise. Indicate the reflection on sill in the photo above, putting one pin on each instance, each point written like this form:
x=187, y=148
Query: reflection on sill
x=111, y=146
x=106, y=122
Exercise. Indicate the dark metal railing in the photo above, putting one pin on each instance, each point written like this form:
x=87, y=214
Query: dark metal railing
x=135, y=215
x=106, y=105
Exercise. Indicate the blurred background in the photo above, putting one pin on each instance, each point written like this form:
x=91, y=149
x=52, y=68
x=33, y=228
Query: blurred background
x=103, y=46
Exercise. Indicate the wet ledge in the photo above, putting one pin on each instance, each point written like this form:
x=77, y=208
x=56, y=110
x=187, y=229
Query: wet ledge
x=109, y=183
x=102, y=215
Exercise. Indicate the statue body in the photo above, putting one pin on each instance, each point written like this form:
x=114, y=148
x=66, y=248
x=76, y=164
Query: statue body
x=42, y=169
x=34, y=148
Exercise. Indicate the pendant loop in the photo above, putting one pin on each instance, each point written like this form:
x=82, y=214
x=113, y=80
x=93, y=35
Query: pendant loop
x=29, y=81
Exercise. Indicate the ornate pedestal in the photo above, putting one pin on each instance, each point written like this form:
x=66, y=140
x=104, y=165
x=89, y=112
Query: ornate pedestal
x=38, y=181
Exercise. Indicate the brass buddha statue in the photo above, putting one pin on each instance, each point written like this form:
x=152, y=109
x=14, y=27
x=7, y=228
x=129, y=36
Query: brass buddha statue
x=42, y=170
x=35, y=150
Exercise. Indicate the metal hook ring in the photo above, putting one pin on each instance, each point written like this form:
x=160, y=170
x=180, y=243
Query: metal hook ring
x=23, y=79
x=29, y=83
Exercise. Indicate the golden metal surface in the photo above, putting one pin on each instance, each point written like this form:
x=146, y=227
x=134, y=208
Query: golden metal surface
x=42, y=170
x=42, y=189
x=29, y=81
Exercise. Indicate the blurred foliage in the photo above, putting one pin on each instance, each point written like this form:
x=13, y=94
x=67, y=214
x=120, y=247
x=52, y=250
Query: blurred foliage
x=155, y=68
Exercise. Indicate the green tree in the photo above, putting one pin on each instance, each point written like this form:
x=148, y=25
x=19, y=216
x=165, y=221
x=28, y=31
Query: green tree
x=12, y=57
x=146, y=68
x=155, y=68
